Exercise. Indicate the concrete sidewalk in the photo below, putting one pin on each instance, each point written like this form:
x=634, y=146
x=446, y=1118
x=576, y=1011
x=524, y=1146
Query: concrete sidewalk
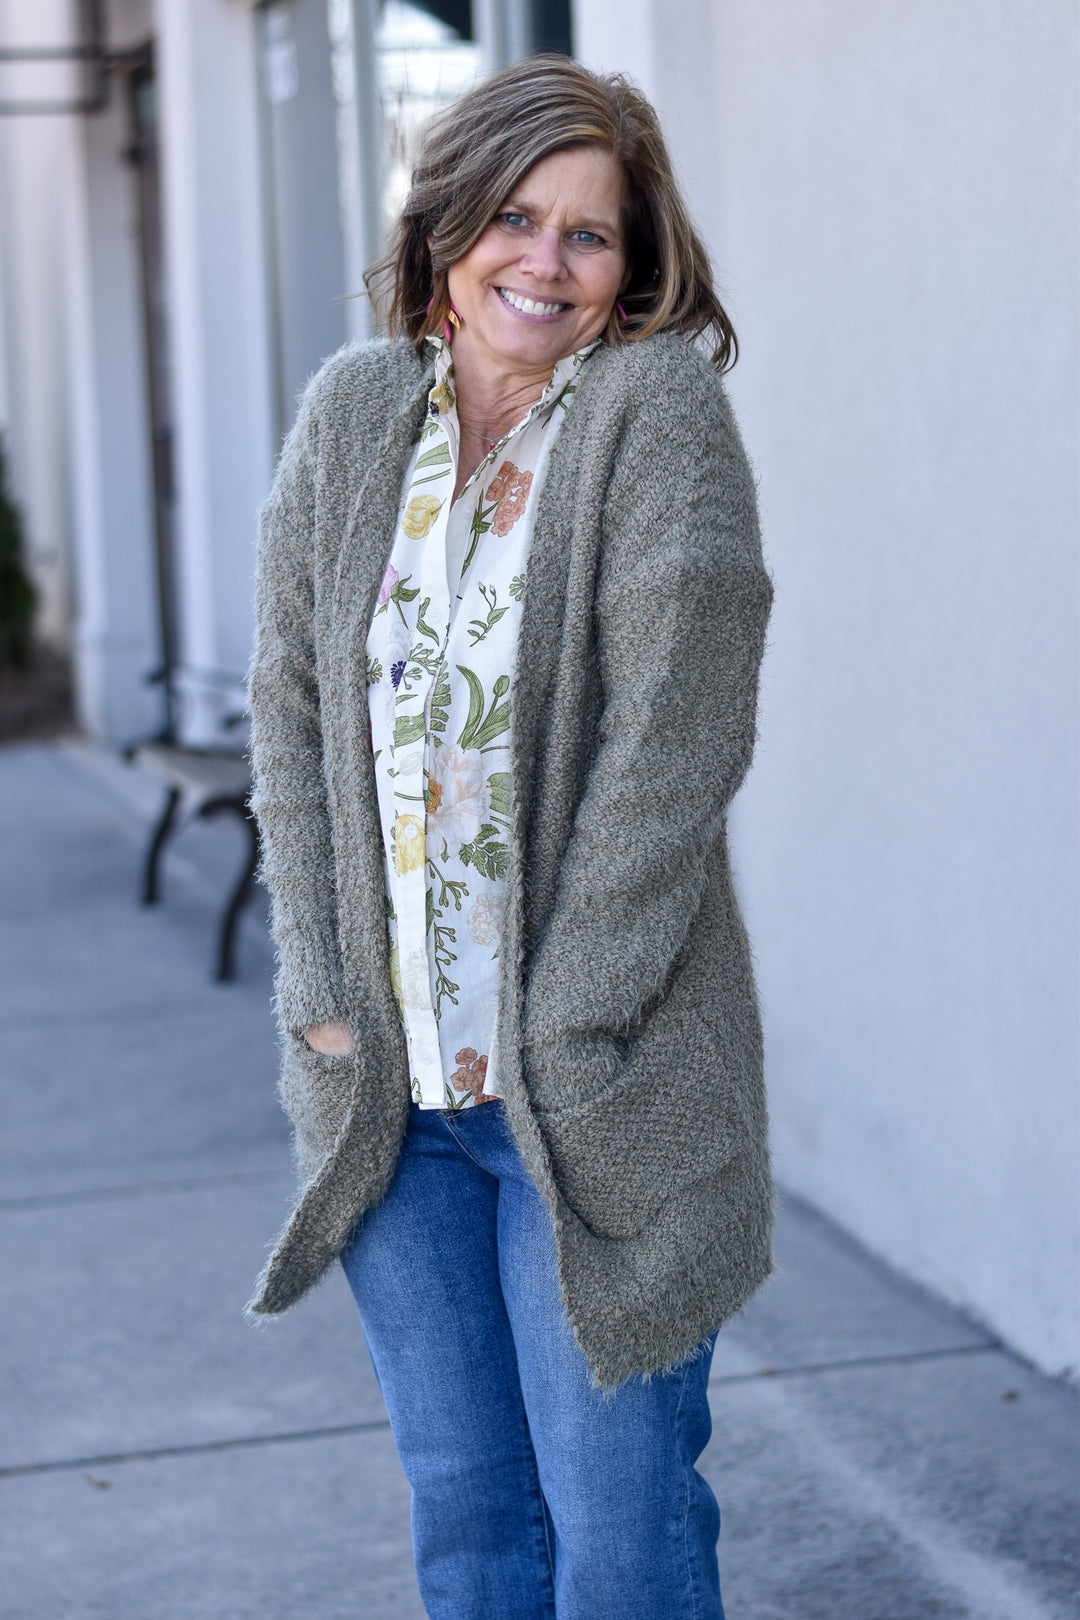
x=877, y=1456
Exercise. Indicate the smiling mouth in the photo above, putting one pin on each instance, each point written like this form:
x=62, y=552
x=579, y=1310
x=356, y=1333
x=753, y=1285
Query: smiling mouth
x=529, y=306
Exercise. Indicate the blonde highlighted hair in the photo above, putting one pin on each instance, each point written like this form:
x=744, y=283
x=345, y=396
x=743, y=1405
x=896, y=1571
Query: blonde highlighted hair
x=477, y=151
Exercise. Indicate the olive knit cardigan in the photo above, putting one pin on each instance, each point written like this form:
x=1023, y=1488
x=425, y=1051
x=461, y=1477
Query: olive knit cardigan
x=629, y=1038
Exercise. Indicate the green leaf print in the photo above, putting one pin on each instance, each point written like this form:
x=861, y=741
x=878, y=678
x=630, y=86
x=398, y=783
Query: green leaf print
x=499, y=787
x=374, y=672
x=422, y=661
x=445, y=988
x=486, y=853
x=440, y=703
x=437, y=456
x=480, y=729
x=442, y=937
x=567, y=394
x=408, y=728
x=422, y=625
x=481, y=523
x=451, y=892
x=476, y=706
x=517, y=587
x=400, y=592
x=478, y=628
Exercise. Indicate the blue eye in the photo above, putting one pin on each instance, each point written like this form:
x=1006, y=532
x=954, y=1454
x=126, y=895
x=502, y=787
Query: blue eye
x=587, y=239
x=515, y=221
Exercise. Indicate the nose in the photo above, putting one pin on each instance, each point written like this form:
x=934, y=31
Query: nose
x=544, y=256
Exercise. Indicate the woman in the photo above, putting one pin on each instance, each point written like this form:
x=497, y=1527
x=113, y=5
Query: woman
x=511, y=608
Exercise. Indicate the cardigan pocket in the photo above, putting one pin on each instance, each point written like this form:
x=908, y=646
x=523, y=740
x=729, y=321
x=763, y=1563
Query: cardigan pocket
x=315, y=1091
x=675, y=1113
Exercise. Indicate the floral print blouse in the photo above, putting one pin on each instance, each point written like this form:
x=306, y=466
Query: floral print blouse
x=440, y=673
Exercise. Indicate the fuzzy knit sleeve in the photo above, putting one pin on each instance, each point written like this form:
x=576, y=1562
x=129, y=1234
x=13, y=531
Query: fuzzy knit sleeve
x=682, y=604
x=290, y=797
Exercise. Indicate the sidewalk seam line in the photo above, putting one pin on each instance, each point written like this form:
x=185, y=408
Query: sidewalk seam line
x=899, y=1358
x=152, y=1453
x=141, y=1189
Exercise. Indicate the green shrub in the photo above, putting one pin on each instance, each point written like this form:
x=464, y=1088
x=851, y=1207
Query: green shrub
x=18, y=597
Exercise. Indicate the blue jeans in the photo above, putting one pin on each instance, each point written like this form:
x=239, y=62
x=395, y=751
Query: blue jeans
x=533, y=1494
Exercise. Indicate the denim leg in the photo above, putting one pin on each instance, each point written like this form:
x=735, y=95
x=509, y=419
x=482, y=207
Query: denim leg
x=635, y=1524
x=423, y=1267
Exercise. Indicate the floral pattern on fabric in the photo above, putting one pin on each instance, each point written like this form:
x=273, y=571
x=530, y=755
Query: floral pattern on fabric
x=509, y=489
x=439, y=669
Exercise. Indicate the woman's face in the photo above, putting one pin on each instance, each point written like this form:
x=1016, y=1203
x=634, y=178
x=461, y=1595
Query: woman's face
x=541, y=280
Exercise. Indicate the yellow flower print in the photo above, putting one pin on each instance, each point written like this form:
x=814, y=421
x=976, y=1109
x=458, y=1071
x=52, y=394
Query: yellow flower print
x=419, y=515
x=408, y=844
x=442, y=397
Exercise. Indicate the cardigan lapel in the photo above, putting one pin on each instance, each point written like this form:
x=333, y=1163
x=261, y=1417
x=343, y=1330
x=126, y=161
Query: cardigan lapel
x=554, y=562
x=361, y=565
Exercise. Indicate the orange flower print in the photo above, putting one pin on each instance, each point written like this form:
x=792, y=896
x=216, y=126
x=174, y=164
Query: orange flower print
x=471, y=1073
x=510, y=490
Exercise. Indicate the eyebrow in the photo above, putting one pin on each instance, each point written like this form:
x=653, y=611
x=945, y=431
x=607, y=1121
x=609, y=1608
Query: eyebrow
x=521, y=205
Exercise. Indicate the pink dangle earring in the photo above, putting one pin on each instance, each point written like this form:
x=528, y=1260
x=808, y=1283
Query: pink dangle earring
x=451, y=320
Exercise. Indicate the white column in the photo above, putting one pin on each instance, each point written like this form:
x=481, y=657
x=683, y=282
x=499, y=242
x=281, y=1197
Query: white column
x=90, y=629
x=36, y=154
x=116, y=637
x=503, y=31
x=218, y=332
x=359, y=134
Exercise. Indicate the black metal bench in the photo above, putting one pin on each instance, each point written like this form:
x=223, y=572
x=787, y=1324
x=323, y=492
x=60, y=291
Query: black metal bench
x=212, y=783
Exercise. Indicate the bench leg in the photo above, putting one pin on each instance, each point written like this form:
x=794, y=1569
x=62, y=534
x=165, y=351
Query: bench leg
x=158, y=840
x=226, y=959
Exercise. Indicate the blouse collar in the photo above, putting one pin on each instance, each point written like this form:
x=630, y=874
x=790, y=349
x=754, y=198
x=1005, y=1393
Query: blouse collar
x=442, y=398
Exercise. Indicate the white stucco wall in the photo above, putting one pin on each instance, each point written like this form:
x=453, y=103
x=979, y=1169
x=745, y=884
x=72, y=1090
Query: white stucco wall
x=891, y=193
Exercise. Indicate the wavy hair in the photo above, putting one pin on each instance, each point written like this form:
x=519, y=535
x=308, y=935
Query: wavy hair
x=477, y=151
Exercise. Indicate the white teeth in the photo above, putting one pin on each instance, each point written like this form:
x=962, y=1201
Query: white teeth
x=529, y=306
